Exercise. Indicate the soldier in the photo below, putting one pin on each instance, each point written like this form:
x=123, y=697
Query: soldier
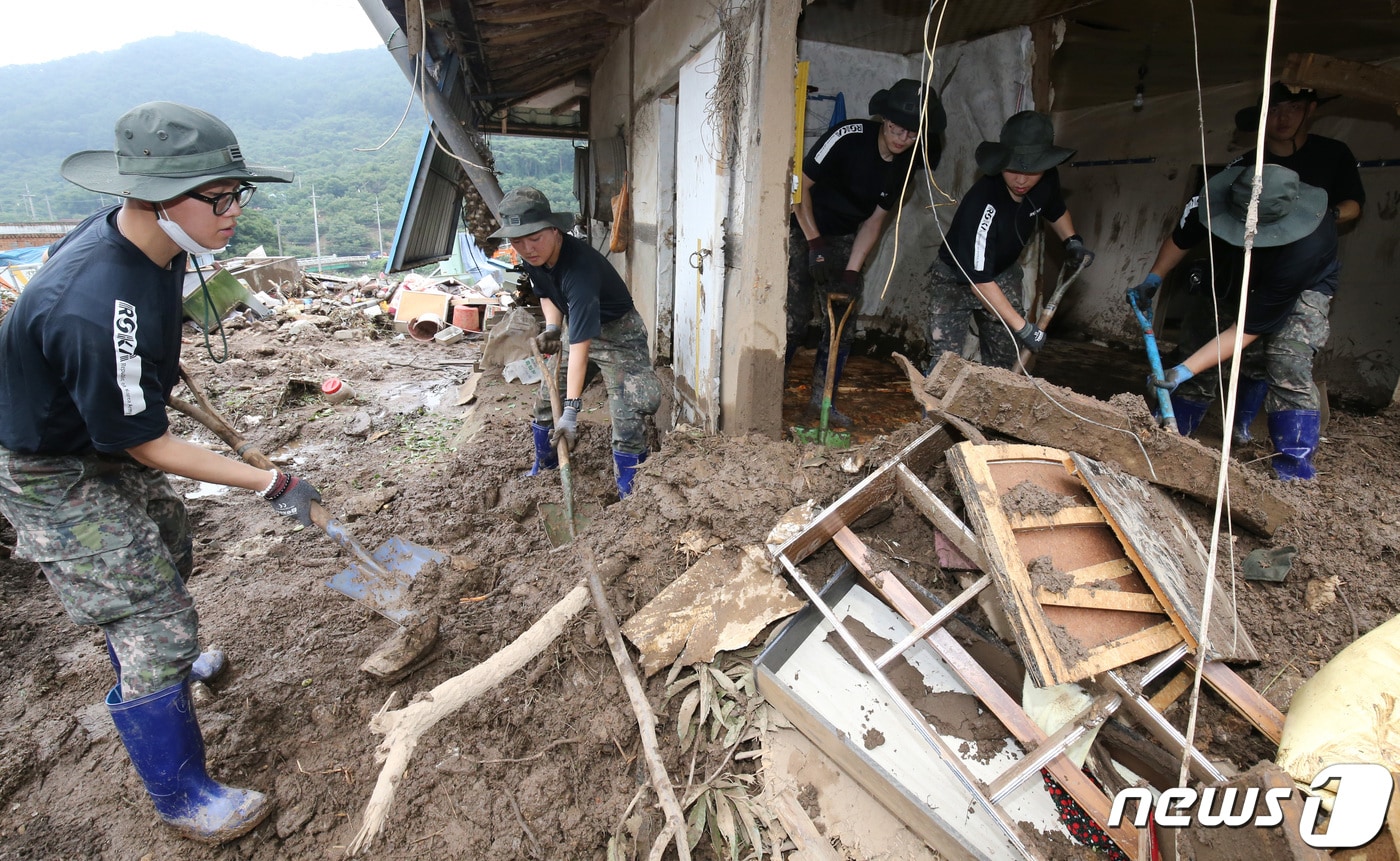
x=582, y=295
x=88, y=358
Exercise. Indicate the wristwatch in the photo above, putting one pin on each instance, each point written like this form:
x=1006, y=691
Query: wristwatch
x=576, y=403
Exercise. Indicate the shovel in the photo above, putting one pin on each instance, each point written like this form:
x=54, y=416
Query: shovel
x=823, y=435
x=561, y=525
x=1165, y=417
x=1047, y=312
x=380, y=580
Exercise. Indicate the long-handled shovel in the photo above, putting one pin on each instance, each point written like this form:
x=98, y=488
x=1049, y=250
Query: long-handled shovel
x=1047, y=311
x=562, y=526
x=1165, y=418
x=380, y=580
x=823, y=435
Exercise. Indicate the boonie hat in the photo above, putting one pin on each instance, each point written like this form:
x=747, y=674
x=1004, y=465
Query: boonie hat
x=163, y=150
x=902, y=103
x=1247, y=119
x=1289, y=209
x=526, y=210
x=1027, y=145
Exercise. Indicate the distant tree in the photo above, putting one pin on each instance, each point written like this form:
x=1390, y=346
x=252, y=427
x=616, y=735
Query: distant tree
x=254, y=229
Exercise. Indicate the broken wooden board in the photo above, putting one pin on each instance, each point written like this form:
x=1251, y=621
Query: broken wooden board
x=1071, y=552
x=1163, y=545
x=720, y=603
x=1336, y=76
x=1011, y=404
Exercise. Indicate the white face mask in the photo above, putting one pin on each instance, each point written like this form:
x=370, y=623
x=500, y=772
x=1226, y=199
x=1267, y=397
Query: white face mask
x=178, y=235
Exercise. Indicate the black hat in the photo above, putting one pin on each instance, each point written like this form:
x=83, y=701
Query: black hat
x=902, y=103
x=1027, y=145
x=1247, y=119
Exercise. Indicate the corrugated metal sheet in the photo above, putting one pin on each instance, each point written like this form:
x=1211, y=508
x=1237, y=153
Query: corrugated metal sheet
x=431, y=210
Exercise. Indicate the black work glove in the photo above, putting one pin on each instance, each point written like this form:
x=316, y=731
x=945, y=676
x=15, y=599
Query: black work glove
x=852, y=283
x=549, y=340
x=1076, y=253
x=1142, y=294
x=1173, y=377
x=292, y=497
x=818, y=263
x=566, y=428
x=1031, y=337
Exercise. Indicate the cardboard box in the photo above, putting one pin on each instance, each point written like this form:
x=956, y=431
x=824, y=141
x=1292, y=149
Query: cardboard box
x=413, y=304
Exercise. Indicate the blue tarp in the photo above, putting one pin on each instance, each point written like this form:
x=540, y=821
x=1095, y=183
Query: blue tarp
x=22, y=256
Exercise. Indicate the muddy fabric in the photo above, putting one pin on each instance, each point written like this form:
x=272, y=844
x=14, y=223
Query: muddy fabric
x=955, y=306
x=621, y=354
x=806, y=300
x=113, y=539
x=1283, y=359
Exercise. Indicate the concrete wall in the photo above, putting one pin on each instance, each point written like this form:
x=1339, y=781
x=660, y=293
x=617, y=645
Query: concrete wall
x=1125, y=211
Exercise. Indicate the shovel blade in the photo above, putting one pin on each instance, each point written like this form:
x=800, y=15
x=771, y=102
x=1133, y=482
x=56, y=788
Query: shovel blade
x=556, y=523
x=822, y=436
x=387, y=595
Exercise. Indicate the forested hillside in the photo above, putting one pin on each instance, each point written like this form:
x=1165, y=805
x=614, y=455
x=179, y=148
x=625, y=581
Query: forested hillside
x=343, y=122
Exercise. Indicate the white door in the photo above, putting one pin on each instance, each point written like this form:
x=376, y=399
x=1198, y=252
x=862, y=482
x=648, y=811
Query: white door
x=702, y=190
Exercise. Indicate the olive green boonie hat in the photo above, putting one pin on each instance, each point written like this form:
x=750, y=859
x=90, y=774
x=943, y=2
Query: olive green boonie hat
x=164, y=150
x=1289, y=209
x=1027, y=145
x=526, y=210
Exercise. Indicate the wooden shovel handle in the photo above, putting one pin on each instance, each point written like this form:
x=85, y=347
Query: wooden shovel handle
x=556, y=404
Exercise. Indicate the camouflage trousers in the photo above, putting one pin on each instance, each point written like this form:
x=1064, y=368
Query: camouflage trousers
x=113, y=539
x=621, y=354
x=1283, y=359
x=805, y=299
x=955, y=306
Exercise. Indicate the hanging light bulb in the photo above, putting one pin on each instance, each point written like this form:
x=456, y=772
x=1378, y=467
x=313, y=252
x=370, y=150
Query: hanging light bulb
x=1138, y=98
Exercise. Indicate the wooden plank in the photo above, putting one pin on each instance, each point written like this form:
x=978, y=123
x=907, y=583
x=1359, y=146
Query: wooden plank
x=1009, y=403
x=1101, y=599
x=1158, y=727
x=1343, y=77
x=985, y=688
x=1102, y=572
x=1246, y=700
x=942, y=518
x=1169, y=554
x=1171, y=691
x=1075, y=515
x=1133, y=647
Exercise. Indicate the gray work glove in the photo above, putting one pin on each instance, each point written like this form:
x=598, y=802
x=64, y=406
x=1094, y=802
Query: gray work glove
x=549, y=340
x=1031, y=337
x=818, y=261
x=1174, y=377
x=1076, y=253
x=1142, y=294
x=292, y=497
x=566, y=428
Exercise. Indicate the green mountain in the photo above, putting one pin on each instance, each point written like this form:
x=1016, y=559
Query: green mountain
x=346, y=123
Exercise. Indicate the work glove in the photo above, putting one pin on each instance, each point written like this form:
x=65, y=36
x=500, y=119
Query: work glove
x=851, y=283
x=818, y=262
x=1142, y=294
x=1172, y=378
x=292, y=497
x=1076, y=253
x=566, y=427
x=549, y=340
x=1031, y=337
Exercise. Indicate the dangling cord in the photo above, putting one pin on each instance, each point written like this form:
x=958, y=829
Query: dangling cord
x=211, y=311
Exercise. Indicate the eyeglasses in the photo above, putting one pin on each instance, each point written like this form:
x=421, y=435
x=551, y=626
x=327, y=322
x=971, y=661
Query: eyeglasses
x=899, y=132
x=223, y=202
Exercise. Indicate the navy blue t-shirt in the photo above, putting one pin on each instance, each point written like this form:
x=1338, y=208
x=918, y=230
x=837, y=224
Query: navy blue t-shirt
x=849, y=178
x=584, y=285
x=991, y=228
x=90, y=352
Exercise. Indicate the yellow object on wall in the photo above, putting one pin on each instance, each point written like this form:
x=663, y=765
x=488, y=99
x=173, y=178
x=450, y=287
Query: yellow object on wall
x=800, y=94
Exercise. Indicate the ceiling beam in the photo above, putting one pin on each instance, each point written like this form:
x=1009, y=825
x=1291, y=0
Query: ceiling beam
x=1344, y=77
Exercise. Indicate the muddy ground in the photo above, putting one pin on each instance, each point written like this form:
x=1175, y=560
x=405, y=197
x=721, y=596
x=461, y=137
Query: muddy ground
x=547, y=763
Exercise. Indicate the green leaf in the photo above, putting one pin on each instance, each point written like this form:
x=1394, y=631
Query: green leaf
x=695, y=822
x=687, y=715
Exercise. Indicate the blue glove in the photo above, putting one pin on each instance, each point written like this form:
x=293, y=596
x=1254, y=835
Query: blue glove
x=1142, y=294
x=1174, y=377
x=1076, y=253
x=1031, y=337
x=566, y=428
x=292, y=497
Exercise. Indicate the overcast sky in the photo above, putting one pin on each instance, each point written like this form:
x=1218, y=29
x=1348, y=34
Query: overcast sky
x=38, y=31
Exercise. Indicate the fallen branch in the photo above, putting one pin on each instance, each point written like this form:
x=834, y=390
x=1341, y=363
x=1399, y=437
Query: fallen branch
x=646, y=718
x=403, y=727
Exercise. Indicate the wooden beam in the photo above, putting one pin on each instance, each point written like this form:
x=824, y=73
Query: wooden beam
x=1344, y=77
x=1074, y=515
x=1101, y=599
x=1245, y=699
x=1011, y=404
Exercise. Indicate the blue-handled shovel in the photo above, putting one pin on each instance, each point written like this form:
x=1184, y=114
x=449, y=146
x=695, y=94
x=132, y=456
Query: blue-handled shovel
x=1165, y=418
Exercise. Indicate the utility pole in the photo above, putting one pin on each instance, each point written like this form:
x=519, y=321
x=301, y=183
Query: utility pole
x=279, y=238
x=49, y=206
x=379, y=224
x=29, y=199
x=316, y=227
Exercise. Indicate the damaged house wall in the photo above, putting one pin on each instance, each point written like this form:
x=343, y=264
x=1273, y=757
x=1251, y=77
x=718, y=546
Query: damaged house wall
x=1126, y=210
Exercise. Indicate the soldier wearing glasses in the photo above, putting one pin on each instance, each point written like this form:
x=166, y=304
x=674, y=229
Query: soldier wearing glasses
x=88, y=358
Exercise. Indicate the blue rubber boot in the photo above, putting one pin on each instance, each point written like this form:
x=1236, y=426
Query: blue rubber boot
x=1188, y=414
x=1295, y=435
x=627, y=464
x=546, y=455
x=1250, y=397
x=161, y=735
